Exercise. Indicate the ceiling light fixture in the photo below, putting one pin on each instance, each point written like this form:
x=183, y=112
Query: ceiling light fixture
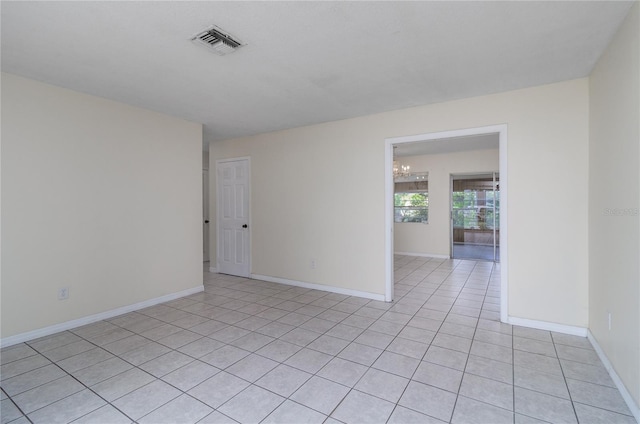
x=400, y=170
x=214, y=39
x=402, y=173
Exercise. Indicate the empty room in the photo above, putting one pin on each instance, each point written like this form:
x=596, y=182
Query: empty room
x=320, y=212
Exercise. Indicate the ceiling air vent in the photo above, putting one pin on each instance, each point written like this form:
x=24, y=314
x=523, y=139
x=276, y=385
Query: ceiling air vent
x=216, y=40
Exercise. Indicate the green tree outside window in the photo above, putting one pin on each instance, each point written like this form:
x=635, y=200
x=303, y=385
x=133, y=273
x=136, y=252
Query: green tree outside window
x=411, y=207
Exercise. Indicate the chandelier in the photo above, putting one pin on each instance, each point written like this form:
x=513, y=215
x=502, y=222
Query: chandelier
x=403, y=173
x=400, y=171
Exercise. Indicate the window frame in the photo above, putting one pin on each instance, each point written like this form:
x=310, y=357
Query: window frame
x=409, y=186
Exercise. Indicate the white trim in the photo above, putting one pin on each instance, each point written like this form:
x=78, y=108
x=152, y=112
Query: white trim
x=233, y=159
x=213, y=269
x=423, y=255
x=501, y=130
x=633, y=407
x=332, y=289
x=549, y=326
x=490, y=129
x=504, y=227
x=388, y=221
x=68, y=325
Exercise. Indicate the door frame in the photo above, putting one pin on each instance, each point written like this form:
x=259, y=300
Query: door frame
x=219, y=205
x=501, y=130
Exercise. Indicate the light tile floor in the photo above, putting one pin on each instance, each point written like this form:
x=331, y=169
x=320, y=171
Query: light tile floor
x=251, y=351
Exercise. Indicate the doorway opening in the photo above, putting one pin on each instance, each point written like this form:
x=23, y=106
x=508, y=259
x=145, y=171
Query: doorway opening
x=475, y=216
x=445, y=140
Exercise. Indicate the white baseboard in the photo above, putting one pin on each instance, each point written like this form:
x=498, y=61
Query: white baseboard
x=213, y=269
x=423, y=255
x=549, y=326
x=633, y=407
x=68, y=325
x=332, y=289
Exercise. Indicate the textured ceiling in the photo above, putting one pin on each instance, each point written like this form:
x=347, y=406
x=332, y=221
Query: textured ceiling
x=304, y=62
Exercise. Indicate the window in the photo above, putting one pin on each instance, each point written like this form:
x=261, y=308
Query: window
x=411, y=202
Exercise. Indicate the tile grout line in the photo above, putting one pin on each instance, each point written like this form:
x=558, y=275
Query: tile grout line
x=469, y=354
x=435, y=335
x=76, y=379
x=564, y=378
x=243, y=292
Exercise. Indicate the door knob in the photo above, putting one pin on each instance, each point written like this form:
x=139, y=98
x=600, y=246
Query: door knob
x=245, y=226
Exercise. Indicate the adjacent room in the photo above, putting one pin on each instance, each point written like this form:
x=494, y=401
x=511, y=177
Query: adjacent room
x=331, y=212
x=462, y=221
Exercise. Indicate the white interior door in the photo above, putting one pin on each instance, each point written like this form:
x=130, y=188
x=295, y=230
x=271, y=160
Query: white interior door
x=233, y=217
x=205, y=215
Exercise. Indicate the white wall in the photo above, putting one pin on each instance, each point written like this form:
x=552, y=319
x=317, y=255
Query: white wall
x=318, y=192
x=434, y=238
x=97, y=196
x=614, y=199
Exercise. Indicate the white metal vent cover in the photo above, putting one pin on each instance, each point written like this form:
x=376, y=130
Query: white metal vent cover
x=216, y=40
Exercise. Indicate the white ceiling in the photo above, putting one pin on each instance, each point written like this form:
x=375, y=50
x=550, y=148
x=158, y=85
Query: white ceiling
x=304, y=62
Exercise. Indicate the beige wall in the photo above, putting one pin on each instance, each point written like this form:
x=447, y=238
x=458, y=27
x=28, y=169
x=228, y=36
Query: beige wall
x=318, y=192
x=97, y=196
x=434, y=238
x=614, y=199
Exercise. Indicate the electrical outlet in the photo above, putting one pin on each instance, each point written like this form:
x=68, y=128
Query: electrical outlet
x=63, y=293
x=312, y=263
